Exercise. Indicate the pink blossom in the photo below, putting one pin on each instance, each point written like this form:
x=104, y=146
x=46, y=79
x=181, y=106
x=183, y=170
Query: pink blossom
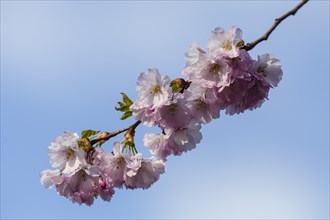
x=78, y=188
x=208, y=95
x=142, y=173
x=184, y=139
x=105, y=189
x=209, y=71
x=65, y=154
x=213, y=72
x=233, y=94
x=158, y=144
x=225, y=42
x=114, y=165
x=82, y=188
x=148, y=115
x=153, y=88
x=194, y=54
x=252, y=95
x=202, y=110
x=240, y=65
x=154, y=91
x=256, y=94
x=173, y=141
x=267, y=68
x=49, y=178
x=175, y=113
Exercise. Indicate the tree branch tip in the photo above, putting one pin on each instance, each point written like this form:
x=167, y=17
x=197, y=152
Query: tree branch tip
x=277, y=21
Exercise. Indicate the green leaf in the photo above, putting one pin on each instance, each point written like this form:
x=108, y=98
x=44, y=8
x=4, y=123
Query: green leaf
x=126, y=115
x=122, y=107
x=88, y=133
x=127, y=100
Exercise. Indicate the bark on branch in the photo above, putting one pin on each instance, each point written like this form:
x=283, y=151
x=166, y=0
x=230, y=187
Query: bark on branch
x=264, y=37
x=115, y=133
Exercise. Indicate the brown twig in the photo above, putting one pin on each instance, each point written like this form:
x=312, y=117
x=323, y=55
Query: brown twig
x=247, y=47
x=264, y=37
x=115, y=133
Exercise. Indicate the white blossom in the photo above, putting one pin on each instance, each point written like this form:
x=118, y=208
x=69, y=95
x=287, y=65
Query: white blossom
x=65, y=154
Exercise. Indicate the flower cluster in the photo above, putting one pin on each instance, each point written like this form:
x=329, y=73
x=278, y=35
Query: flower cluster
x=223, y=77
x=82, y=176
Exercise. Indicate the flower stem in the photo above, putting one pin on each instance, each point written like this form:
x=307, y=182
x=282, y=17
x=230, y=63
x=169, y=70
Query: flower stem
x=264, y=37
x=115, y=133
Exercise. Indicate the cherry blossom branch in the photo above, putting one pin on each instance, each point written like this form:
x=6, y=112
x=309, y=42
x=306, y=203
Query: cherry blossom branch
x=223, y=78
x=108, y=135
x=264, y=37
x=105, y=136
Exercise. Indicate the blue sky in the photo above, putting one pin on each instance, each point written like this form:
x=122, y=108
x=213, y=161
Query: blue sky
x=64, y=64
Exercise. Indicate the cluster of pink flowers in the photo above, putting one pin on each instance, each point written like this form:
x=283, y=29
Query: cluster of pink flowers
x=81, y=177
x=223, y=77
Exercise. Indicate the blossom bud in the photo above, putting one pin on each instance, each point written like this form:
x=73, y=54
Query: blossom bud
x=102, y=135
x=102, y=183
x=240, y=43
x=179, y=85
x=129, y=137
x=84, y=144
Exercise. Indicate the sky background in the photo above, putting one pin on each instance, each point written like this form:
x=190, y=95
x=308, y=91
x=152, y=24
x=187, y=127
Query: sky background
x=64, y=64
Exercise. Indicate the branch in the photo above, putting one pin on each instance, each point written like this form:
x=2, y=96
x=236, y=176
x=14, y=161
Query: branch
x=264, y=37
x=108, y=135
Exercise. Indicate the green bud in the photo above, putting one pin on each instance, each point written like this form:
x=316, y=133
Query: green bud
x=179, y=85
